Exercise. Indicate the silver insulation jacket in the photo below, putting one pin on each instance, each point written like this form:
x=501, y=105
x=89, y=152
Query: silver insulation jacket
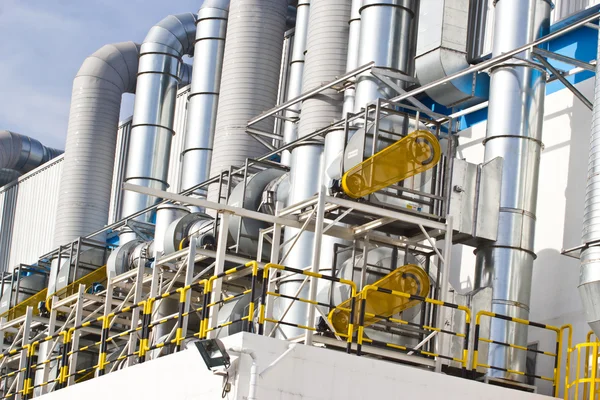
x=154, y=109
x=86, y=181
x=250, y=80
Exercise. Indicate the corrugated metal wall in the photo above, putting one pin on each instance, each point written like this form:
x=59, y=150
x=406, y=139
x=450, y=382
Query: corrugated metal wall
x=27, y=215
x=565, y=8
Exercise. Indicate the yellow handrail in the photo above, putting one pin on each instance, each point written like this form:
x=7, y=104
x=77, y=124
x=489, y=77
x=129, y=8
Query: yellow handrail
x=20, y=309
x=98, y=275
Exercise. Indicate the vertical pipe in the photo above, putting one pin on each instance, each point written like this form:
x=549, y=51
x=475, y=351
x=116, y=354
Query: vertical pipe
x=386, y=38
x=589, y=278
x=514, y=132
x=295, y=75
x=326, y=54
x=86, y=180
x=154, y=109
x=353, y=47
x=209, y=48
x=249, y=84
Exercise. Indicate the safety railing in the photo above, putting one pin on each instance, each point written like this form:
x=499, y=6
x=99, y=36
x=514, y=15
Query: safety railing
x=585, y=384
x=554, y=354
x=121, y=323
x=364, y=314
x=211, y=304
x=263, y=318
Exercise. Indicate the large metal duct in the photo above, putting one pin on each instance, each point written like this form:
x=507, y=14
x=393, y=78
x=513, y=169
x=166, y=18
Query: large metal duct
x=249, y=83
x=442, y=50
x=204, y=93
x=154, y=109
x=514, y=132
x=296, y=73
x=326, y=54
x=91, y=138
x=353, y=47
x=22, y=153
x=387, y=29
x=589, y=278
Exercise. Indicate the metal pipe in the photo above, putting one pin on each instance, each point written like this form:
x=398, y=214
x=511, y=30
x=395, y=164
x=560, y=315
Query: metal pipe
x=326, y=55
x=251, y=66
x=514, y=132
x=22, y=154
x=589, y=277
x=352, y=60
x=154, y=109
x=86, y=180
x=296, y=72
x=386, y=31
x=209, y=48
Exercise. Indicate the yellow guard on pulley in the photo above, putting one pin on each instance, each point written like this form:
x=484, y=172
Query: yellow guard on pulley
x=410, y=279
x=416, y=153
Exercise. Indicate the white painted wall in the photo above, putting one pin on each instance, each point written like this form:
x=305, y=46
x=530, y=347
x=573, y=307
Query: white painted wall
x=307, y=373
x=555, y=299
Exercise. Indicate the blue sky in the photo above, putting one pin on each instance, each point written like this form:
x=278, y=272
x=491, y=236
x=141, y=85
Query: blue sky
x=44, y=42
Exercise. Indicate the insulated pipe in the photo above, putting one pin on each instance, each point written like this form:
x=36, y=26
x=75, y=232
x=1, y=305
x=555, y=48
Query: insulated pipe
x=86, y=180
x=386, y=38
x=296, y=72
x=353, y=47
x=22, y=153
x=514, y=132
x=326, y=56
x=589, y=277
x=204, y=93
x=250, y=80
x=154, y=109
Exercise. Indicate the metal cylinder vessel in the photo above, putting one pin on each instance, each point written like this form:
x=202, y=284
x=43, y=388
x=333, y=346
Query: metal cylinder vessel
x=589, y=278
x=514, y=132
x=86, y=181
x=209, y=48
x=154, y=109
x=387, y=29
x=296, y=73
x=249, y=84
x=326, y=54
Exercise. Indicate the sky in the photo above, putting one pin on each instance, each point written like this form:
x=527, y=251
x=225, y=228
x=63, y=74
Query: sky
x=44, y=42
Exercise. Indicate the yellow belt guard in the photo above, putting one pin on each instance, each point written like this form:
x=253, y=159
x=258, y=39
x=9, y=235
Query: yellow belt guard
x=409, y=279
x=413, y=154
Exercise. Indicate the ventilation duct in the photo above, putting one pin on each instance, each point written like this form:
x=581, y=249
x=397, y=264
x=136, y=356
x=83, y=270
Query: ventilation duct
x=91, y=139
x=353, y=47
x=296, y=73
x=387, y=28
x=22, y=153
x=589, y=278
x=249, y=84
x=204, y=93
x=442, y=50
x=514, y=132
x=154, y=109
x=326, y=56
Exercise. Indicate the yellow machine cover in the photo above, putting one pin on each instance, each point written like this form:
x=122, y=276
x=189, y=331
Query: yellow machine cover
x=413, y=154
x=410, y=279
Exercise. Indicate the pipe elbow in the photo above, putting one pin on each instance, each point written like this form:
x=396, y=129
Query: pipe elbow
x=117, y=64
x=174, y=35
x=220, y=4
